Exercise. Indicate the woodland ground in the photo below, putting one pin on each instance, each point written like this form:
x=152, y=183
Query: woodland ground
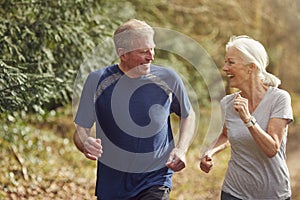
x=61, y=172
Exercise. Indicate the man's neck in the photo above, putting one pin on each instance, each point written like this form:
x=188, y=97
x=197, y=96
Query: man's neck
x=134, y=72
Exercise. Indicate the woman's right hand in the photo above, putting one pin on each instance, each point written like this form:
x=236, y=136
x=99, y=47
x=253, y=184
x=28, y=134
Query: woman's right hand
x=206, y=163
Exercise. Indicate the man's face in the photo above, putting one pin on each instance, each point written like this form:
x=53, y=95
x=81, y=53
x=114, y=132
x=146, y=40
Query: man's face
x=137, y=60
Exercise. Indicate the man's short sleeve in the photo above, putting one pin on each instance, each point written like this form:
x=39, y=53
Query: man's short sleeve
x=85, y=115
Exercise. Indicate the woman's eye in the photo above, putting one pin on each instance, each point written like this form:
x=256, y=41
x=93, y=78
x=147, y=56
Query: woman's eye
x=229, y=62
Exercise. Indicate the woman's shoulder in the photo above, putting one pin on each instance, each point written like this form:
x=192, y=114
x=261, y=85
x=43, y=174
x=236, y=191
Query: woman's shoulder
x=278, y=92
x=229, y=97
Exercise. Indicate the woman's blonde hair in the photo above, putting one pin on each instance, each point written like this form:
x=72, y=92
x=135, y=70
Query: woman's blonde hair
x=254, y=52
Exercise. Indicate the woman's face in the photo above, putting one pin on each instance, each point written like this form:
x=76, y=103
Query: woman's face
x=236, y=71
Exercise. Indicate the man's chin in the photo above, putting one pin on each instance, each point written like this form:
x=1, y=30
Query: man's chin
x=145, y=69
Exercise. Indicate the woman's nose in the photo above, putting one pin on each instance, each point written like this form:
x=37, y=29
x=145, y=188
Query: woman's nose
x=225, y=67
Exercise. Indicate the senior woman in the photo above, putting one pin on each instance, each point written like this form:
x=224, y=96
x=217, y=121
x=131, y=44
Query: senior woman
x=255, y=126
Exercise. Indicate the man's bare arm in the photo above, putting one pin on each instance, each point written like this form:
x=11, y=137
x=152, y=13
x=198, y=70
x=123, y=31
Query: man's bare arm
x=91, y=147
x=176, y=160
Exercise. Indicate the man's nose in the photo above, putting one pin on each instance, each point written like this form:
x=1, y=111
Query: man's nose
x=150, y=55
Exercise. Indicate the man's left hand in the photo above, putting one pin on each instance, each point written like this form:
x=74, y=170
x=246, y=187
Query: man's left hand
x=176, y=160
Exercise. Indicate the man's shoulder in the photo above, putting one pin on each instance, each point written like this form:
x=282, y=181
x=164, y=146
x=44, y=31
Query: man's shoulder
x=99, y=72
x=163, y=71
x=103, y=69
x=161, y=68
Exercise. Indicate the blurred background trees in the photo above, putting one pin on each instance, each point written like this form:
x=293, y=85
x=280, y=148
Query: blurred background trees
x=275, y=23
x=43, y=44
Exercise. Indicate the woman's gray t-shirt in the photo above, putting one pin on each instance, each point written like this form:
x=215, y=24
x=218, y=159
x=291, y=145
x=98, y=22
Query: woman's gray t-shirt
x=251, y=174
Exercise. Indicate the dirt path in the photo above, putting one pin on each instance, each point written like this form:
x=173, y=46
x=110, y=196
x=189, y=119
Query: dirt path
x=293, y=155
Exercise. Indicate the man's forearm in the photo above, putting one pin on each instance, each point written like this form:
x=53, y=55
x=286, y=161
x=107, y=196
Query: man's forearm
x=89, y=146
x=80, y=135
x=187, y=131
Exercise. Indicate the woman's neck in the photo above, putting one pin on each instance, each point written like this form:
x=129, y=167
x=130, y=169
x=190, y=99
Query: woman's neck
x=254, y=94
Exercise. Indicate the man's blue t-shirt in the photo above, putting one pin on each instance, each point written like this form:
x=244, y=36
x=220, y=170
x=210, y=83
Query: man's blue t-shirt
x=133, y=121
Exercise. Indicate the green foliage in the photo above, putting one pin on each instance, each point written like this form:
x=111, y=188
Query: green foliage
x=22, y=90
x=43, y=44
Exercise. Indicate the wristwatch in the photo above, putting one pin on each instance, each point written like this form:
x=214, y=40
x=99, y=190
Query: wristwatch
x=251, y=122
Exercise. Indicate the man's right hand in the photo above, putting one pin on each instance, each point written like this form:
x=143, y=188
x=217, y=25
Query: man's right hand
x=92, y=148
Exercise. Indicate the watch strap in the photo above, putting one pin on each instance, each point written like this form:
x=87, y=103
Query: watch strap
x=251, y=122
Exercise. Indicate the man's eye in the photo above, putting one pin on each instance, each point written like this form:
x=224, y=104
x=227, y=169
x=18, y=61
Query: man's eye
x=144, y=51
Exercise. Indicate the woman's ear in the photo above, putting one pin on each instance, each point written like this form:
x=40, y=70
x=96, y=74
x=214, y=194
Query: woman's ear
x=251, y=68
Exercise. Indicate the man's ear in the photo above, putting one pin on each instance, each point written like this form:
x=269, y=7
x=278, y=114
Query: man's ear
x=121, y=52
